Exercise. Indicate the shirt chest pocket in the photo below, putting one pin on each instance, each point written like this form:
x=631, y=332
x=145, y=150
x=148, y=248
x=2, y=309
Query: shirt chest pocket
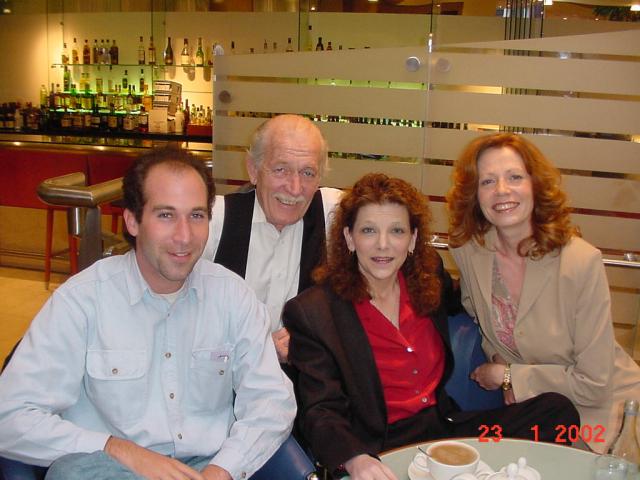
x=210, y=379
x=117, y=383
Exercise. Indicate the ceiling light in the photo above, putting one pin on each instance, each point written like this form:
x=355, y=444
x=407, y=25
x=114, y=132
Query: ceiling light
x=635, y=7
x=548, y=2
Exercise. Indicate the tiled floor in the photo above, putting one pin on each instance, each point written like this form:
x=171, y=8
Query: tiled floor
x=23, y=294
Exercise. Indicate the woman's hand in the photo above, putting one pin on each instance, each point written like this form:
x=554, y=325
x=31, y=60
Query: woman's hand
x=365, y=467
x=489, y=375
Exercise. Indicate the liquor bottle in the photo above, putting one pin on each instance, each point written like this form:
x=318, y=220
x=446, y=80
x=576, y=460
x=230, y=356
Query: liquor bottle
x=233, y=47
x=152, y=52
x=184, y=54
x=626, y=443
x=125, y=81
x=94, y=51
x=187, y=114
x=66, y=79
x=265, y=47
x=319, y=45
x=44, y=96
x=143, y=86
x=65, y=54
x=141, y=50
x=75, y=58
x=199, y=53
x=106, y=52
x=101, y=52
x=275, y=47
x=289, y=45
x=179, y=120
x=168, y=53
x=99, y=84
x=86, y=52
x=114, y=53
x=143, y=121
x=329, y=47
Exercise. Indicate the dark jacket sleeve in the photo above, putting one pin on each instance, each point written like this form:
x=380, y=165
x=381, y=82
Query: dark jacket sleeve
x=325, y=406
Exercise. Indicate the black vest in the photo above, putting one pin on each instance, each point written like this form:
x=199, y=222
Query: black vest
x=233, y=248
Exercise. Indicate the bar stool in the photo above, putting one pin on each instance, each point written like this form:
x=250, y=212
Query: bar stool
x=23, y=169
x=72, y=249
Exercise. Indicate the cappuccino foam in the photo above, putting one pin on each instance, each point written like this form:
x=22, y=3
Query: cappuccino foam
x=452, y=454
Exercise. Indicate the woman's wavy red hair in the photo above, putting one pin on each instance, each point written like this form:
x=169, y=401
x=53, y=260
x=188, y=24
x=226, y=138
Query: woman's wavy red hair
x=340, y=268
x=550, y=220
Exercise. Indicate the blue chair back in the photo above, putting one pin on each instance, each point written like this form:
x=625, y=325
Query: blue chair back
x=290, y=462
x=14, y=470
x=467, y=355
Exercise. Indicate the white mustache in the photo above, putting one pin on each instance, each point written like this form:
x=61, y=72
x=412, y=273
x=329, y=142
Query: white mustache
x=284, y=198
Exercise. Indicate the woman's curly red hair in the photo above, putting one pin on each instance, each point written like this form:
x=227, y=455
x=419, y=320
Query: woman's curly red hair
x=340, y=267
x=550, y=220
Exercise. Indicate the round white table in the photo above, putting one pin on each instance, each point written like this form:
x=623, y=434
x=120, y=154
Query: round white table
x=554, y=462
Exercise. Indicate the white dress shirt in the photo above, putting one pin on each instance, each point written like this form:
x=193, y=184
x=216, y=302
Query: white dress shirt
x=106, y=356
x=273, y=261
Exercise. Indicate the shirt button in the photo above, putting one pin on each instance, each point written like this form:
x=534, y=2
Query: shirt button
x=243, y=475
x=171, y=396
x=114, y=371
x=167, y=355
x=221, y=372
x=424, y=399
x=415, y=371
x=409, y=349
x=179, y=436
x=416, y=391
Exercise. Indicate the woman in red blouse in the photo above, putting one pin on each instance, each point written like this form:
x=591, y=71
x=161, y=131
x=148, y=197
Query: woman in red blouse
x=371, y=342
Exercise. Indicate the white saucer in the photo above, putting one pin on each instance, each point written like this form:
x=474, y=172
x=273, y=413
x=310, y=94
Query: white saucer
x=415, y=474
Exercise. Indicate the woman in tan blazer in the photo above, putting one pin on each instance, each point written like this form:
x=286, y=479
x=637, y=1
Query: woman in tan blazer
x=538, y=291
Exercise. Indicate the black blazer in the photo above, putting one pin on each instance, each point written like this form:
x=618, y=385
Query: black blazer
x=342, y=412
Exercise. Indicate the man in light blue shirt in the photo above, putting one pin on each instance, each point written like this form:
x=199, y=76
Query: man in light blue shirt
x=153, y=364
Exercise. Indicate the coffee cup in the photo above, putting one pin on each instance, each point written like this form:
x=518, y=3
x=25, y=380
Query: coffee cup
x=449, y=458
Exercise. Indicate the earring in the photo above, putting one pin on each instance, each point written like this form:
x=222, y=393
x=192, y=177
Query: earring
x=410, y=253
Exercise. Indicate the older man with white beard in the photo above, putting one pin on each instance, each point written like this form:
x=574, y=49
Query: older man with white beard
x=276, y=242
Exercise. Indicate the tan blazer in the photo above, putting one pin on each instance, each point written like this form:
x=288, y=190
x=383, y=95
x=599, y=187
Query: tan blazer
x=563, y=332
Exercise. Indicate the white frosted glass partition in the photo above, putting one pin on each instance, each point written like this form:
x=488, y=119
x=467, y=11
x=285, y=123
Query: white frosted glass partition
x=577, y=98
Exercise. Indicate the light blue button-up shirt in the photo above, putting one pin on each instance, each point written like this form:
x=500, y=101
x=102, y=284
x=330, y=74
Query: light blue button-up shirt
x=106, y=356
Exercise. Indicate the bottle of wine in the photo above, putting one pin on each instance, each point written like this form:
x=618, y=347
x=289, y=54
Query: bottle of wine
x=143, y=86
x=185, y=59
x=75, y=58
x=95, y=51
x=168, y=53
x=152, y=52
x=114, y=53
x=200, y=53
x=141, y=50
x=289, y=45
x=86, y=52
x=319, y=45
x=65, y=54
x=626, y=443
